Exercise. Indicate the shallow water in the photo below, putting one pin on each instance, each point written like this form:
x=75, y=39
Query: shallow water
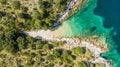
x=86, y=23
x=110, y=10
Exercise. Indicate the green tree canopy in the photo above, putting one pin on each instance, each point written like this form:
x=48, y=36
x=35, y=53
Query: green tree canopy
x=21, y=42
x=50, y=57
x=79, y=50
x=46, y=47
x=3, y=1
x=16, y=4
x=81, y=64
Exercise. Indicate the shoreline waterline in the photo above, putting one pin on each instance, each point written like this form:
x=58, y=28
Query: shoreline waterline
x=80, y=24
x=110, y=11
x=73, y=42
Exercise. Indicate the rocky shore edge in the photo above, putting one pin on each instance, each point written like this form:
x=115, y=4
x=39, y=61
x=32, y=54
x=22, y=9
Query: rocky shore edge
x=90, y=43
x=70, y=10
x=94, y=46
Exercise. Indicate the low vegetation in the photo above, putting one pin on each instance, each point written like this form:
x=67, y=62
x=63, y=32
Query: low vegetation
x=19, y=50
x=29, y=52
x=31, y=14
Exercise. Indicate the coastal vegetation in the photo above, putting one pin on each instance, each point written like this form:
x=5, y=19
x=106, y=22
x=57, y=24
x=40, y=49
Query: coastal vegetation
x=33, y=14
x=19, y=50
x=29, y=52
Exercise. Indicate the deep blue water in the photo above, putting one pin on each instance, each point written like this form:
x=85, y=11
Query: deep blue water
x=82, y=24
x=110, y=10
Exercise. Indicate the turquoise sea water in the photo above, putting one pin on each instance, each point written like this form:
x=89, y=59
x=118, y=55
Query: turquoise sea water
x=85, y=23
x=110, y=10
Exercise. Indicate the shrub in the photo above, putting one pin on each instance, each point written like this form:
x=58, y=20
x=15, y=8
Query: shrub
x=16, y=5
x=78, y=50
x=3, y=1
x=81, y=64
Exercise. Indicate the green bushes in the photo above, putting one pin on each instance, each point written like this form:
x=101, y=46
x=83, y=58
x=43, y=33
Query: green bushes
x=81, y=64
x=38, y=15
x=21, y=42
x=16, y=4
x=42, y=16
x=24, y=9
x=79, y=50
x=24, y=16
x=50, y=57
x=3, y=1
x=46, y=47
x=41, y=55
x=19, y=49
x=61, y=57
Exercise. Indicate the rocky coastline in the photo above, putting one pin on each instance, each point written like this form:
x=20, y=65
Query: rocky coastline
x=71, y=8
x=91, y=43
x=74, y=42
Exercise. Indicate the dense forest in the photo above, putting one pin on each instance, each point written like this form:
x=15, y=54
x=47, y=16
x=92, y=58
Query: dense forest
x=19, y=50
